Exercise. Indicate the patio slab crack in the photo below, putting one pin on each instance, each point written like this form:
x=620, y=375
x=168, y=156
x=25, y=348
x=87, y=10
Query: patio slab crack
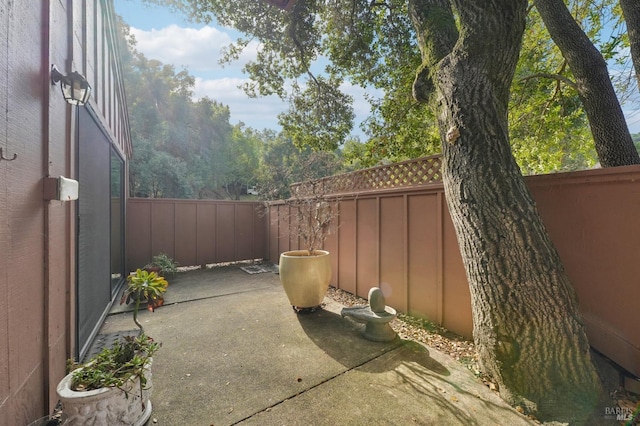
x=396, y=346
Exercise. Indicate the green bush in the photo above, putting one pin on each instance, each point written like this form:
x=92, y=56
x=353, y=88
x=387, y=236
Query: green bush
x=166, y=264
x=114, y=366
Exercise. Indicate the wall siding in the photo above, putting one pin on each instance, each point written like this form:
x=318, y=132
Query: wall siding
x=37, y=237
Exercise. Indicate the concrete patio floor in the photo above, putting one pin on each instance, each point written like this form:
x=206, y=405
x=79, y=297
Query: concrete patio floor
x=234, y=352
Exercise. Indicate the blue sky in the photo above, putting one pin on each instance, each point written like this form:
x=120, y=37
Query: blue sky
x=171, y=39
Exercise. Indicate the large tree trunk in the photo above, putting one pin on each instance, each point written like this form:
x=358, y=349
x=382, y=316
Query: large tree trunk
x=527, y=328
x=631, y=12
x=608, y=126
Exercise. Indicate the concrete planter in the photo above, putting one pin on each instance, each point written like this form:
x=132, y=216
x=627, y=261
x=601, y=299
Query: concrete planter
x=305, y=278
x=107, y=406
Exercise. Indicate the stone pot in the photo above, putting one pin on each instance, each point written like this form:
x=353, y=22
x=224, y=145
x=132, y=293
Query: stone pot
x=111, y=406
x=305, y=278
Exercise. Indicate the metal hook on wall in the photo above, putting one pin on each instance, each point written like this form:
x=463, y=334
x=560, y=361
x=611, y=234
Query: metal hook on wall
x=2, y=157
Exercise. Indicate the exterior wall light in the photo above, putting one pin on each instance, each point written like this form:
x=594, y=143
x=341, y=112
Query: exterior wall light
x=75, y=88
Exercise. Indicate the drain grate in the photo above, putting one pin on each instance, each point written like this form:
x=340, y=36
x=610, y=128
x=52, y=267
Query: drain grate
x=259, y=269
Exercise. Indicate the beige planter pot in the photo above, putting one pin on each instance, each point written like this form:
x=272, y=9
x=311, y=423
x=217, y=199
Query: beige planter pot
x=106, y=406
x=305, y=278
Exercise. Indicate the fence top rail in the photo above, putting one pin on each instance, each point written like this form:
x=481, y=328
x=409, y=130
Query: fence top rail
x=191, y=201
x=419, y=171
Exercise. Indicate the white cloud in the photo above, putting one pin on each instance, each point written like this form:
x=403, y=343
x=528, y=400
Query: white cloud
x=258, y=113
x=196, y=49
x=199, y=50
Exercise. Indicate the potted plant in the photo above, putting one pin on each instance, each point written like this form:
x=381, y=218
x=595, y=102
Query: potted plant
x=305, y=274
x=162, y=264
x=144, y=285
x=114, y=387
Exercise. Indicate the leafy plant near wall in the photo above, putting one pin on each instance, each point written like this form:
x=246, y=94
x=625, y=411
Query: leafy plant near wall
x=144, y=285
x=164, y=263
x=119, y=375
x=116, y=365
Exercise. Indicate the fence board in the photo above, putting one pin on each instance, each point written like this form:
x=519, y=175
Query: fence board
x=206, y=234
x=345, y=255
x=186, y=232
x=423, y=255
x=392, y=252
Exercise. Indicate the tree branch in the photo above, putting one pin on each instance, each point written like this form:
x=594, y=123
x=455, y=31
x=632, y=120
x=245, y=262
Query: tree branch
x=557, y=77
x=292, y=30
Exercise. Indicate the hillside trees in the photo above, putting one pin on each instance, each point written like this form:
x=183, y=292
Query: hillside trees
x=547, y=125
x=242, y=156
x=182, y=148
x=185, y=148
x=283, y=164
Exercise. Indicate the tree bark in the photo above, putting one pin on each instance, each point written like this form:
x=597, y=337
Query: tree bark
x=631, y=13
x=611, y=135
x=527, y=328
x=282, y=4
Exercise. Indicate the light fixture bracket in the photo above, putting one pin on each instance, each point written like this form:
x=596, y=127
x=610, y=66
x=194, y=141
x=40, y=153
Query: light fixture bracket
x=75, y=88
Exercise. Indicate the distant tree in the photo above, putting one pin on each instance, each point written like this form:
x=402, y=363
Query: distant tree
x=608, y=125
x=357, y=155
x=320, y=116
x=212, y=132
x=284, y=164
x=242, y=155
x=276, y=170
x=182, y=148
x=547, y=125
x=157, y=174
x=636, y=141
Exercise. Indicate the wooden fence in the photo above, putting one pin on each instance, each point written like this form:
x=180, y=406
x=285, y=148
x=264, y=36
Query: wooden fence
x=194, y=232
x=395, y=232
x=401, y=239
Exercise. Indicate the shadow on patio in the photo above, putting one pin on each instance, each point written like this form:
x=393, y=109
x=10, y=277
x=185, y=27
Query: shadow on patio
x=234, y=352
